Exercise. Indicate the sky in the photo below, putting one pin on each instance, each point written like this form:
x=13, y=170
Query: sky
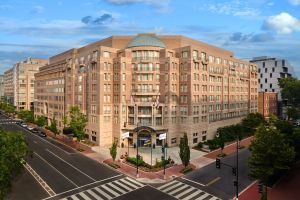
x=249, y=28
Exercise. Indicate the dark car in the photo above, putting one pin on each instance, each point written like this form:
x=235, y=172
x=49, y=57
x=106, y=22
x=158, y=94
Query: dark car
x=42, y=133
x=35, y=130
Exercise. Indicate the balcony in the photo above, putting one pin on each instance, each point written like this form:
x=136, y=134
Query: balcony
x=145, y=92
x=204, y=61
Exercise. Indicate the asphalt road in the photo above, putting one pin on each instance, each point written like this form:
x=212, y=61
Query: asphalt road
x=73, y=176
x=220, y=181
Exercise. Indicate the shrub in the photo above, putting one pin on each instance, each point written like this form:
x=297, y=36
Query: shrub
x=200, y=145
x=186, y=170
x=212, y=144
x=132, y=160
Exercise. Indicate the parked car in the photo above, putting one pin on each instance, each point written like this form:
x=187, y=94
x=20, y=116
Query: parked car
x=19, y=122
x=42, y=133
x=30, y=128
x=24, y=125
x=35, y=130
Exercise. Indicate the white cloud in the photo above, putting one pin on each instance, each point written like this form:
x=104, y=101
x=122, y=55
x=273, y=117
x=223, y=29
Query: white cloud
x=295, y=2
x=233, y=7
x=162, y=5
x=283, y=23
x=38, y=9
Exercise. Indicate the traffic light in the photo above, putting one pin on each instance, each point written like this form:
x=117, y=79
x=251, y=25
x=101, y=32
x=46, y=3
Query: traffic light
x=260, y=187
x=234, y=171
x=218, y=163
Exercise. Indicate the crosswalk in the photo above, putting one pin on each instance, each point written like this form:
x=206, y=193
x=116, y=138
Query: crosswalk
x=184, y=191
x=107, y=191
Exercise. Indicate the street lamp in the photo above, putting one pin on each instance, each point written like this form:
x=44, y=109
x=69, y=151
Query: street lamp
x=137, y=150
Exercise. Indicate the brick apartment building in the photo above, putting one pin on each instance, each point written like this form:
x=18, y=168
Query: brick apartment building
x=159, y=83
x=267, y=103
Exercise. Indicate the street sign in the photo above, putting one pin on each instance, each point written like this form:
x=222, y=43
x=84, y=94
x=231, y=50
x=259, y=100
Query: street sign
x=162, y=136
x=125, y=135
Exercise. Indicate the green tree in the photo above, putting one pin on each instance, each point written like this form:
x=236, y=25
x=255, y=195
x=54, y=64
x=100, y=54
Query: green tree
x=77, y=122
x=53, y=126
x=221, y=143
x=271, y=155
x=41, y=121
x=252, y=121
x=13, y=150
x=290, y=90
x=184, y=150
x=26, y=115
x=113, y=151
x=292, y=113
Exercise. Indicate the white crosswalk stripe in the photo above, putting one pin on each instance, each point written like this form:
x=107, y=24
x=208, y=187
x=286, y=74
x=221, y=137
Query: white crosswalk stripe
x=107, y=191
x=184, y=191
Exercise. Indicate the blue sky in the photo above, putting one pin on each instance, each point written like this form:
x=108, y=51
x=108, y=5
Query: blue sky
x=40, y=28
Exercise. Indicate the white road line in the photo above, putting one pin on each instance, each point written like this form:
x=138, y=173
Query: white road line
x=116, y=187
x=110, y=190
x=46, y=141
x=84, y=196
x=203, y=196
x=128, y=183
x=192, y=195
x=193, y=181
x=94, y=194
x=185, y=192
x=178, y=189
x=84, y=186
x=103, y=193
x=163, y=186
x=38, y=178
x=74, y=197
x=173, y=186
x=56, y=169
x=71, y=165
x=122, y=185
x=129, y=179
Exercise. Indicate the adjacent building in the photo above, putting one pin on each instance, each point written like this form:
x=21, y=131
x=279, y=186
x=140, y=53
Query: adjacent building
x=19, y=83
x=267, y=103
x=271, y=70
x=147, y=85
x=1, y=87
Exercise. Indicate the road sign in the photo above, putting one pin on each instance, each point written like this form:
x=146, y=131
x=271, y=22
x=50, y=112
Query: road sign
x=162, y=136
x=125, y=135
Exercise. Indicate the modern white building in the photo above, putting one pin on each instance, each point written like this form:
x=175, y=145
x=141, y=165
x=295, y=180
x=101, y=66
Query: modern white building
x=271, y=70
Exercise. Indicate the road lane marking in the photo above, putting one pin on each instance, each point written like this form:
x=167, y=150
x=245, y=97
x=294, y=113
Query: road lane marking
x=213, y=181
x=56, y=169
x=85, y=186
x=27, y=131
x=193, y=181
x=71, y=165
x=38, y=178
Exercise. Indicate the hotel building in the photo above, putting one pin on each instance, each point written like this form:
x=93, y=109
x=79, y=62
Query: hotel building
x=147, y=85
x=19, y=83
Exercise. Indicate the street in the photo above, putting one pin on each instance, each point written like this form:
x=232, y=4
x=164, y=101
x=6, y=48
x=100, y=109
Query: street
x=71, y=175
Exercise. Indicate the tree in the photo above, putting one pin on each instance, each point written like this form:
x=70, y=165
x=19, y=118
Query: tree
x=113, y=151
x=290, y=91
x=13, y=150
x=184, y=150
x=53, y=126
x=221, y=143
x=252, y=121
x=292, y=113
x=41, y=121
x=271, y=155
x=77, y=122
x=26, y=115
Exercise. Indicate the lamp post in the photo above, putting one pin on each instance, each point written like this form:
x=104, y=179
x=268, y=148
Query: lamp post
x=237, y=168
x=137, y=150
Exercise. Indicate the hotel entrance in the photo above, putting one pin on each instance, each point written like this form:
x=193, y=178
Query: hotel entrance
x=144, y=139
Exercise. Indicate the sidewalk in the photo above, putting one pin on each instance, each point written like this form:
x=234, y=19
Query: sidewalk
x=230, y=148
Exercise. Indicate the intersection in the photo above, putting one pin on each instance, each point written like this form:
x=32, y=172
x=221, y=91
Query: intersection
x=73, y=176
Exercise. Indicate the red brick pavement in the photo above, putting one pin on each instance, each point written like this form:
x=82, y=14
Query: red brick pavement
x=67, y=141
x=230, y=148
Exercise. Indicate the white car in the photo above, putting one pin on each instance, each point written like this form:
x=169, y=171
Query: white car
x=30, y=128
x=24, y=125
